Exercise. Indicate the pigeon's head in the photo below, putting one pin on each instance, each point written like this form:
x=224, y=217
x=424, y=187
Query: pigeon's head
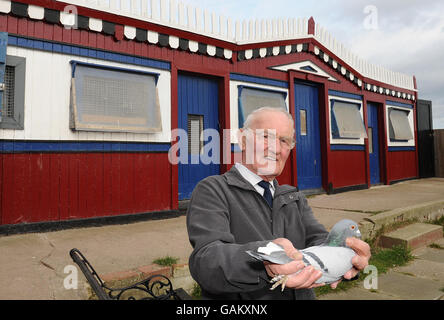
x=341, y=231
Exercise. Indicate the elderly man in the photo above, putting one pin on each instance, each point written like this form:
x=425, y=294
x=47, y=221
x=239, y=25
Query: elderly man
x=246, y=208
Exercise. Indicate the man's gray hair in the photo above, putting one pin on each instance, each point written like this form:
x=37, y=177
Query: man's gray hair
x=252, y=116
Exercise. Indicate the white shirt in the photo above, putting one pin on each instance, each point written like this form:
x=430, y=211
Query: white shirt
x=253, y=178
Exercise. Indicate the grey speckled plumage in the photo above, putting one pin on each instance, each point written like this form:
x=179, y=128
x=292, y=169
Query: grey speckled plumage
x=332, y=258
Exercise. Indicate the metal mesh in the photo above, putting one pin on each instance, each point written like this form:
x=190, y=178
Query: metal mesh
x=8, y=94
x=109, y=100
x=195, y=134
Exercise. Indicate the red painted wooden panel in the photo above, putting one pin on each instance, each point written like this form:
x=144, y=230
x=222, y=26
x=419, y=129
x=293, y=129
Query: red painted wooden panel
x=8, y=215
x=3, y=23
x=107, y=185
x=19, y=191
x=22, y=26
x=64, y=209
x=348, y=168
x=45, y=196
x=285, y=177
x=12, y=25
x=67, y=35
x=401, y=165
x=48, y=31
x=53, y=187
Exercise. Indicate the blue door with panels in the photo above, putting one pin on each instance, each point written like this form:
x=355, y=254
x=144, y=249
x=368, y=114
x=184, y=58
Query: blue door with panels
x=198, y=111
x=373, y=143
x=3, y=46
x=308, y=145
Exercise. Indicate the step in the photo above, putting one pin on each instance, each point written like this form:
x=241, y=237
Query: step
x=414, y=236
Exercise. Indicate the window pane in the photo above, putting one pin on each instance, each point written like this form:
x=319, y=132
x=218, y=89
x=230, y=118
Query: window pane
x=252, y=99
x=399, y=125
x=370, y=140
x=303, y=122
x=348, y=120
x=195, y=134
x=109, y=100
x=8, y=93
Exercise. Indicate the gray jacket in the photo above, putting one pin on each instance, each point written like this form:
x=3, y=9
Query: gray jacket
x=227, y=216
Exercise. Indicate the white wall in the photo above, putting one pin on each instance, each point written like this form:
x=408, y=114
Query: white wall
x=47, y=98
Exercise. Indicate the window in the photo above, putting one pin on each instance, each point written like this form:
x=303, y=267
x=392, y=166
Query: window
x=251, y=99
x=370, y=140
x=303, y=122
x=347, y=120
x=13, y=95
x=112, y=99
x=195, y=134
x=399, y=128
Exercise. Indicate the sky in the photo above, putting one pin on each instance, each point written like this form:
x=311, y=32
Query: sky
x=406, y=36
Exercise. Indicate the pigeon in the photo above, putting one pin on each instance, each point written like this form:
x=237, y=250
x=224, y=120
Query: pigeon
x=332, y=257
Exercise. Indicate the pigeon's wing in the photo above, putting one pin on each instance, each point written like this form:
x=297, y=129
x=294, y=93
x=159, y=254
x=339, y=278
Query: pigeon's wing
x=278, y=257
x=334, y=262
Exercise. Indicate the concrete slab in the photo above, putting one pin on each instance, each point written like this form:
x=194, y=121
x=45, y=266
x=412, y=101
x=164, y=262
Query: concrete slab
x=409, y=287
x=359, y=294
x=436, y=255
x=414, y=236
x=383, y=198
x=428, y=269
x=330, y=217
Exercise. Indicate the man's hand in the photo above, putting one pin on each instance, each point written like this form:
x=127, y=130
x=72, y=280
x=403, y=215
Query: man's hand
x=304, y=279
x=360, y=261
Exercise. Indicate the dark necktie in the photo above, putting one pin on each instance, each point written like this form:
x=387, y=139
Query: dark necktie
x=267, y=193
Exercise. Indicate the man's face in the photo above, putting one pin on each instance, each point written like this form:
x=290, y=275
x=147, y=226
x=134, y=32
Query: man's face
x=268, y=144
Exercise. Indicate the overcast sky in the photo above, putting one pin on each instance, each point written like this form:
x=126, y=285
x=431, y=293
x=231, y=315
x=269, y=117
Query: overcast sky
x=408, y=38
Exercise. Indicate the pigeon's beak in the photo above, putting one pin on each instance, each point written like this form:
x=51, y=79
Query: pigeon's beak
x=358, y=234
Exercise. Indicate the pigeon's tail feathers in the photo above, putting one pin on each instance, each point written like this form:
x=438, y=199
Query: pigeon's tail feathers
x=274, y=257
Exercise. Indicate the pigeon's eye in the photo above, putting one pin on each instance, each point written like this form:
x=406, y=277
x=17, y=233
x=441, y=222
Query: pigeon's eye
x=352, y=227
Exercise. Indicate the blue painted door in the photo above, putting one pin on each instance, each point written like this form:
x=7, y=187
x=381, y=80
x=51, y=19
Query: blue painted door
x=198, y=110
x=308, y=146
x=3, y=46
x=373, y=143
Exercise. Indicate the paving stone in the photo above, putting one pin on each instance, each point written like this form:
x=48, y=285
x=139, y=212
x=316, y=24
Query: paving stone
x=409, y=287
x=424, y=269
x=414, y=236
x=359, y=294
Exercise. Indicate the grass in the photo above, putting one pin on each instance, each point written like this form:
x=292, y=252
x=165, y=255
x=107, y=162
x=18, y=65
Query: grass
x=166, y=261
x=197, y=292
